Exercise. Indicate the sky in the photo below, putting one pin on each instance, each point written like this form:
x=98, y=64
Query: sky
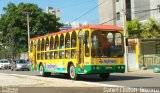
x=70, y=9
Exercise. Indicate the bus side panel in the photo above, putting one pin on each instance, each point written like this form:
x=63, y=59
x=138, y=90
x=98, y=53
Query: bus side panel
x=57, y=65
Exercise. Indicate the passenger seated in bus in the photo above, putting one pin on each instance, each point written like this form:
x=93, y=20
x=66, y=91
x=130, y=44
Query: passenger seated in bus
x=55, y=55
x=73, y=42
x=62, y=45
x=51, y=47
x=67, y=54
x=47, y=49
x=105, y=46
x=50, y=55
x=73, y=54
x=67, y=44
x=56, y=45
x=62, y=55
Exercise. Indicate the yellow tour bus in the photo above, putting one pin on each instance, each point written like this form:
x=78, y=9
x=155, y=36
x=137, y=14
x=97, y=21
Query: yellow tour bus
x=90, y=49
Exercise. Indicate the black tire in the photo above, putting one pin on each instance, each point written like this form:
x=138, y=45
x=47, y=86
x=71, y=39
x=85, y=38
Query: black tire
x=72, y=72
x=66, y=75
x=17, y=69
x=42, y=73
x=104, y=76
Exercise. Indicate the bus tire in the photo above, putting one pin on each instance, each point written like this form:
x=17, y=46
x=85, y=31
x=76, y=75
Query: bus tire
x=66, y=75
x=104, y=76
x=42, y=73
x=72, y=72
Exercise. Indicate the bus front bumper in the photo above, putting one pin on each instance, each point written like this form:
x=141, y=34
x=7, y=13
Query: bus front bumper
x=97, y=69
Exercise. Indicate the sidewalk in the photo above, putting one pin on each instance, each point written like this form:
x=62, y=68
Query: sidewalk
x=148, y=71
x=16, y=80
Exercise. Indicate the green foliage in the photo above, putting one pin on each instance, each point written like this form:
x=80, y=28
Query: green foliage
x=149, y=29
x=4, y=53
x=134, y=28
x=13, y=25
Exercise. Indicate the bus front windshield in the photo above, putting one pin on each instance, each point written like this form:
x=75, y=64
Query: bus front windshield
x=107, y=44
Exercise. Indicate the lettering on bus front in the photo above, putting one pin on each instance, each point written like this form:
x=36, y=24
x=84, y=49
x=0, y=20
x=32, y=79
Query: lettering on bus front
x=107, y=61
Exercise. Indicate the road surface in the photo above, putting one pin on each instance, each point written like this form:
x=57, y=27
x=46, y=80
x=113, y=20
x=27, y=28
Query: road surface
x=117, y=79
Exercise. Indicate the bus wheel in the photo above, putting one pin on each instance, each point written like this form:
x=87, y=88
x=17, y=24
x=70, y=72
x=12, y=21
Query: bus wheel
x=104, y=76
x=66, y=75
x=42, y=73
x=72, y=72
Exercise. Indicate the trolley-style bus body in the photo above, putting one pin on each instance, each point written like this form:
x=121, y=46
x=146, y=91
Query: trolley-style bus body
x=79, y=51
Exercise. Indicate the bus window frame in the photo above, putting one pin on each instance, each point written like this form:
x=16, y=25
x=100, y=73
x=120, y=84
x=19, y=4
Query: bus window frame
x=108, y=31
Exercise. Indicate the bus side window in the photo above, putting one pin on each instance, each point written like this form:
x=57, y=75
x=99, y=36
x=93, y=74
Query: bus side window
x=67, y=44
x=56, y=45
x=38, y=56
x=67, y=40
x=56, y=55
x=62, y=41
x=42, y=45
x=47, y=44
x=51, y=43
x=73, y=42
x=51, y=55
x=42, y=55
x=73, y=53
x=39, y=45
x=67, y=54
x=73, y=39
x=61, y=54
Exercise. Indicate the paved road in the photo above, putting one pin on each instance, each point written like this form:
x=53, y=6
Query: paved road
x=120, y=79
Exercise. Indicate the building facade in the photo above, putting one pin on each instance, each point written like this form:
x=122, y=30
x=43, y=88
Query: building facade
x=53, y=11
x=69, y=25
x=111, y=11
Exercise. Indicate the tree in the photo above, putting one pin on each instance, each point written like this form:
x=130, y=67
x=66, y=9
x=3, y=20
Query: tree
x=151, y=29
x=134, y=28
x=13, y=25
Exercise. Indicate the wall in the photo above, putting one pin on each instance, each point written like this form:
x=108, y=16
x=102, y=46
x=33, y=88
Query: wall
x=155, y=13
x=149, y=54
x=140, y=5
x=106, y=11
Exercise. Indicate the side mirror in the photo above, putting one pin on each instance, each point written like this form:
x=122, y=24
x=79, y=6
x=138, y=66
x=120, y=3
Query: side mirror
x=126, y=41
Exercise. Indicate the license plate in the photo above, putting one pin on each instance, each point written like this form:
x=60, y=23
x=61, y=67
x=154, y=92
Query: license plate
x=108, y=67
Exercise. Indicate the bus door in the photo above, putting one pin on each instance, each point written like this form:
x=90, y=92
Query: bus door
x=81, y=48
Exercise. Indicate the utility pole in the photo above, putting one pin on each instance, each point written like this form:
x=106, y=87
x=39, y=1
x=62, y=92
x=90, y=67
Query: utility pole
x=124, y=28
x=28, y=30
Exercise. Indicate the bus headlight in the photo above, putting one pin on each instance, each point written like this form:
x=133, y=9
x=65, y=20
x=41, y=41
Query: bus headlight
x=97, y=67
x=122, y=67
x=119, y=67
x=94, y=68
